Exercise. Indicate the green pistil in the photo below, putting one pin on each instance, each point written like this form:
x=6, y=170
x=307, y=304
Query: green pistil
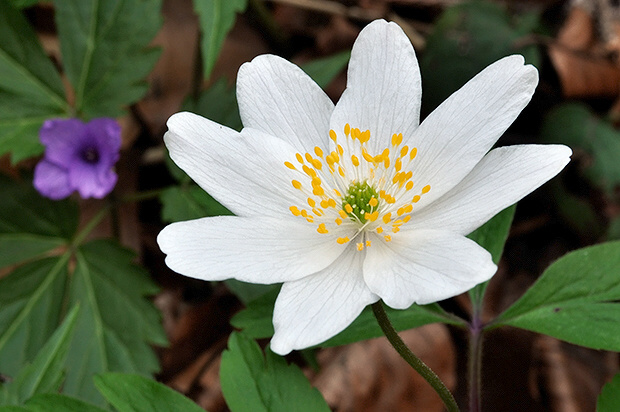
x=358, y=197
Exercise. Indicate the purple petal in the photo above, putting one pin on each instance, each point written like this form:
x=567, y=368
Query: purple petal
x=91, y=180
x=51, y=180
x=61, y=138
x=105, y=133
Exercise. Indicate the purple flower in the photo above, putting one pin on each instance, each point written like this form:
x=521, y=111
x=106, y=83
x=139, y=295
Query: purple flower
x=78, y=156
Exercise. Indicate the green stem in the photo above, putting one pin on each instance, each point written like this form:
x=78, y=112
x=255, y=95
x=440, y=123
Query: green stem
x=475, y=363
x=412, y=359
x=140, y=196
x=81, y=235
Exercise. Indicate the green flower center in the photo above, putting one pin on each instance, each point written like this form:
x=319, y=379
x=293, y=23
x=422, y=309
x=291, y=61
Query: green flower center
x=360, y=202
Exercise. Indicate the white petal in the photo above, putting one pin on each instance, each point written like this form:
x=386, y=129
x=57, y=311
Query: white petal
x=278, y=98
x=453, y=139
x=504, y=176
x=384, y=88
x=425, y=266
x=315, y=308
x=252, y=250
x=245, y=172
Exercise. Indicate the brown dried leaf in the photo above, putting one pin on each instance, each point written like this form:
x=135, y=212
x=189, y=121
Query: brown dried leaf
x=579, y=59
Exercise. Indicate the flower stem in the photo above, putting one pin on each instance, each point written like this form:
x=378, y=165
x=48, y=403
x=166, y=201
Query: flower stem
x=475, y=362
x=412, y=359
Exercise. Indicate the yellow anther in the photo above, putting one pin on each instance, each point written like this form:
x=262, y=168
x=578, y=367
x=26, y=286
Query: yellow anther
x=342, y=240
x=360, y=246
x=304, y=213
x=413, y=153
x=403, y=151
x=310, y=219
x=317, y=164
x=289, y=165
x=318, y=212
x=355, y=160
x=397, y=139
x=340, y=150
x=386, y=162
x=322, y=228
x=409, y=185
x=407, y=218
x=373, y=202
x=343, y=214
x=408, y=175
x=347, y=129
x=373, y=216
x=367, y=156
x=364, y=136
x=377, y=159
x=367, y=216
x=324, y=204
x=318, y=191
x=408, y=208
x=368, y=243
x=355, y=133
x=318, y=151
x=308, y=171
x=332, y=135
x=338, y=221
x=390, y=199
x=296, y=184
x=426, y=189
x=415, y=199
x=397, y=222
x=337, y=193
x=387, y=217
x=331, y=203
x=311, y=202
x=400, y=211
x=379, y=229
x=387, y=238
x=395, y=229
x=348, y=208
x=398, y=165
x=396, y=177
x=309, y=158
x=340, y=171
x=316, y=181
x=300, y=159
x=294, y=210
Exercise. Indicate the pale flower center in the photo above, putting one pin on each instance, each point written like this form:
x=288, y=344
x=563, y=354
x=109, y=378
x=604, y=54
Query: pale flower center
x=351, y=187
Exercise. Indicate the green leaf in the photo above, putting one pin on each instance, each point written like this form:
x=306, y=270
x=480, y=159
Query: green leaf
x=253, y=383
x=465, y=39
x=30, y=88
x=609, y=399
x=105, y=51
x=256, y=320
x=31, y=299
x=325, y=69
x=20, y=4
x=116, y=324
x=58, y=403
x=574, y=299
x=216, y=19
x=46, y=371
x=247, y=292
x=575, y=125
x=491, y=236
x=133, y=393
x=188, y=202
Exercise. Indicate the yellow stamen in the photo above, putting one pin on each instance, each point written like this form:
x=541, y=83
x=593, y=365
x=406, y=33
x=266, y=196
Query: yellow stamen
x=294, y=210
x=342, y=240
x=360, y=246
x=289, y=165
x=322, y=228
x=387, y=238
x=296, y=184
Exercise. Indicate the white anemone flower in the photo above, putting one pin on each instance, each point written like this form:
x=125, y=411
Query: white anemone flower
x=356, y=202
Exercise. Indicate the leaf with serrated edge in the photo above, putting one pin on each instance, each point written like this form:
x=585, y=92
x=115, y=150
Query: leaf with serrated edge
x=133, y=393
x=253, y=383
x=116, y=324
x=30, y=87
x=45, y=372
x=105, y=53
x=574, y=299
x=609, y=399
